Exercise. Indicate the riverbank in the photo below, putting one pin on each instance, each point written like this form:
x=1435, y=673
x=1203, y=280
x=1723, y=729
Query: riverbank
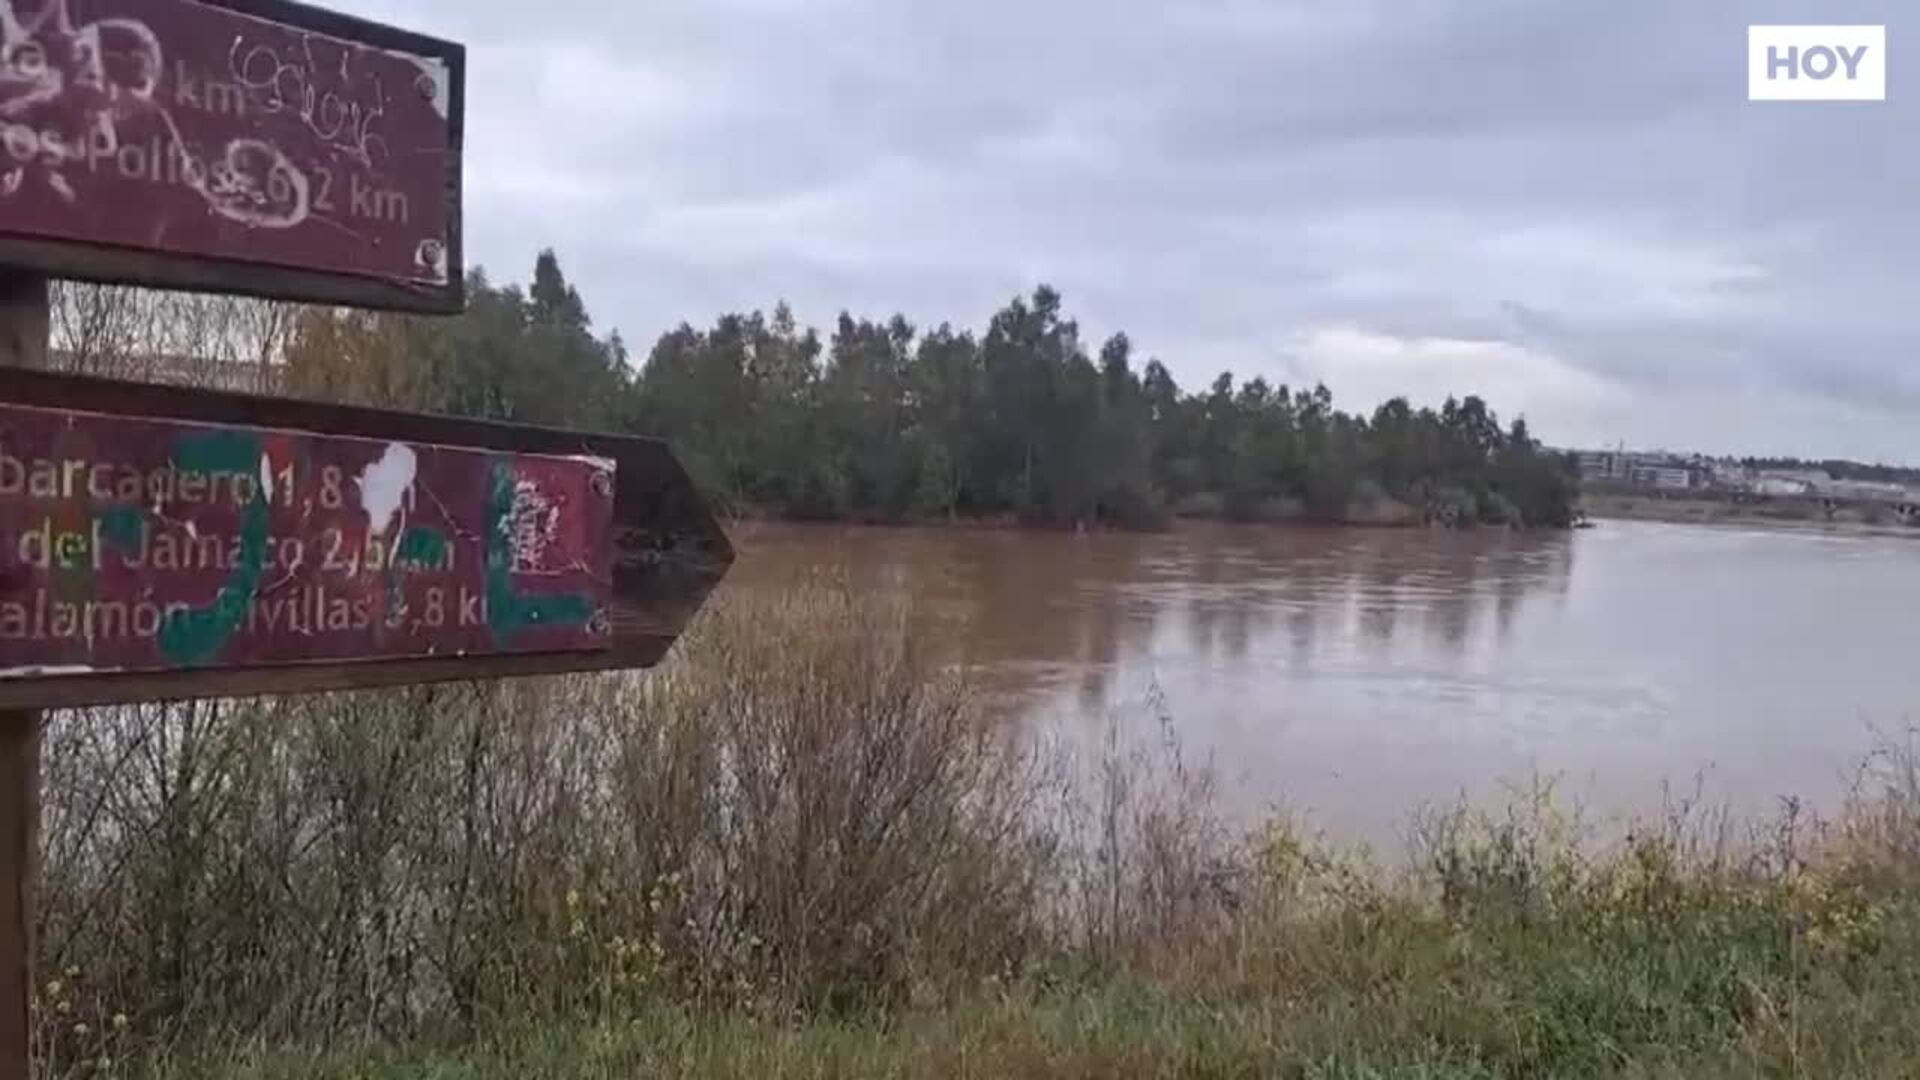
x=1380, y=512
x=1624, y=507
x=800, y=848
x=1505, y=949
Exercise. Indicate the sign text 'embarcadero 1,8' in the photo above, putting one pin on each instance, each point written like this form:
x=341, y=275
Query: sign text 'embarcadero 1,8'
x=150, y=545
x=231, y=131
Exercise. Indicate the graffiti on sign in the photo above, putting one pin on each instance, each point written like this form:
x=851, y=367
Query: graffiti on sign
x=177, y=126
x=136, y=544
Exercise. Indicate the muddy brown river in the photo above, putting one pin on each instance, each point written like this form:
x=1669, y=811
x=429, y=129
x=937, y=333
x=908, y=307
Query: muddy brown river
x=1355, y=674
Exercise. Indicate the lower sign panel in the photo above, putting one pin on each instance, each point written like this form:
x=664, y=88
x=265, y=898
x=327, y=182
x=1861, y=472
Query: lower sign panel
x=152, y=545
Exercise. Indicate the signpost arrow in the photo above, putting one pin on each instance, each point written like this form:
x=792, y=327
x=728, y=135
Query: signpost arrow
x=158, y=542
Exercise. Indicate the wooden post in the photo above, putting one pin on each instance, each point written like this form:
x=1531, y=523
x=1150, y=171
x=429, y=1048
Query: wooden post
x=19, y=826
x=23, y=320
x=23, y=343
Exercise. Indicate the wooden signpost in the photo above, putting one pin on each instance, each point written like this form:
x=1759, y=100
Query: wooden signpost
x=160, y=542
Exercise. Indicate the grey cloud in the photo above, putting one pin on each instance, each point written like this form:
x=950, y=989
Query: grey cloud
x=1578, y=178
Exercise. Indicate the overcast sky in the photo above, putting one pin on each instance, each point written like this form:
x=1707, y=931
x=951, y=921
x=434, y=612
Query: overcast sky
x=1568, y=206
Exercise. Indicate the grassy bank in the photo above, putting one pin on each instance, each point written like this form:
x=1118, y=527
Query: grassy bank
x=1629, y=507
x=1502, y=959
x=801, y=850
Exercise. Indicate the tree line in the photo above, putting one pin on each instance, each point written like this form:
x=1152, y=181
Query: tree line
x=881, y=420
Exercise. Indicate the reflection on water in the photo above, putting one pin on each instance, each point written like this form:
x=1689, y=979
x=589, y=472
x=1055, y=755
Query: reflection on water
x=1356, y=673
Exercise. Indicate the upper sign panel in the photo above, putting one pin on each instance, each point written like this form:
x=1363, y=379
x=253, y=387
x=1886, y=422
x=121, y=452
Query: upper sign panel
x=240, y=146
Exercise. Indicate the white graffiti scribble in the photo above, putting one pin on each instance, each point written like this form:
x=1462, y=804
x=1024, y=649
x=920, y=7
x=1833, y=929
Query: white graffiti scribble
x=300, y=86
x=532, y=527
x=41, y=58
x=67, y=93
x=259, y=185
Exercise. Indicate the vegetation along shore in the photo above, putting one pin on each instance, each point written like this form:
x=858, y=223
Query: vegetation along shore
x=803, y=849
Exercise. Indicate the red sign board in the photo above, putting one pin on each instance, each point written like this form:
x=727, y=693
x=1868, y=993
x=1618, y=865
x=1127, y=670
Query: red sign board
x=322, y=151
x=152, y=545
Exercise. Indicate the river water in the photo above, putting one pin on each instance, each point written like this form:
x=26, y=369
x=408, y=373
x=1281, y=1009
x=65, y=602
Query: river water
x=1352, y=675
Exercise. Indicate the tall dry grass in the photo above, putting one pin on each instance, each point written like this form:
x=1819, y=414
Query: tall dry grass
x=800, y=812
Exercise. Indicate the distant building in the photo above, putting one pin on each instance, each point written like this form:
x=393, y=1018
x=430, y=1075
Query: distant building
x=1603, y=465
x=1730, y=475
x=1780, y=486
x=1660, y=471
x=1669, y=478
x=1814, y=479
x=1653, y=470
x=1665, y=477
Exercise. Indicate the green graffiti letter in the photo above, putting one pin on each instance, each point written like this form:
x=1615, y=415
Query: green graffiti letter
x=194, y=636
